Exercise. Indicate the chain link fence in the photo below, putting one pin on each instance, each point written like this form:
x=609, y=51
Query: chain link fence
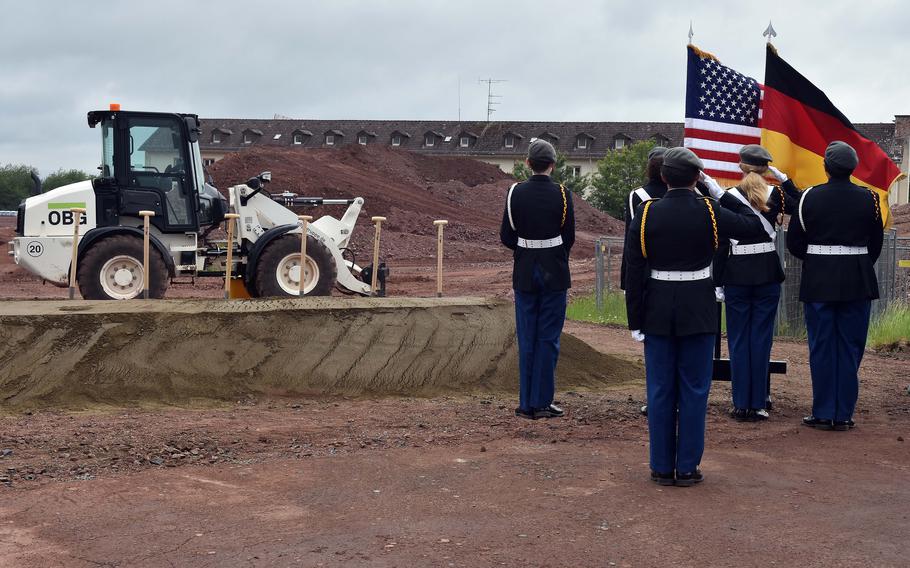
x=892, y=270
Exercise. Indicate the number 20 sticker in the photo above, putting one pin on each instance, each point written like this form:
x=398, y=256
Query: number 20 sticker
x=35, y=249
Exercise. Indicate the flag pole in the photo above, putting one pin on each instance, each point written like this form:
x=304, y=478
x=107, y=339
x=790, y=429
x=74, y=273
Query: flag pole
x=691, y=33
x=769, y=32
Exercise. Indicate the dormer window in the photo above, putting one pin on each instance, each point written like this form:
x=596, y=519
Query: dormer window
x=329, y=139
x=362, y=139
x=464, y=141
x=429, y=140
x=298, y=138
x=582, y=143
x=250, y=135
x=508, y=141
x=661, y=140
x=619, y=143
x=216, y=137
x=396, y=140
x=247, y=139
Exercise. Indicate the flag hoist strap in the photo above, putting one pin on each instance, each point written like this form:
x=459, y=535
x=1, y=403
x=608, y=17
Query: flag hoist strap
x=681, y=275
x=565, y=206
x=836, y=250
x=642, y=195
x=540, y=243
x=757, y=248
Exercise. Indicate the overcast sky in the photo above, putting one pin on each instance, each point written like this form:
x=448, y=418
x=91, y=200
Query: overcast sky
x=579, y=60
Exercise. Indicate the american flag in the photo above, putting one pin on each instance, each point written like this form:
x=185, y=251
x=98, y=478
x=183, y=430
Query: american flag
x=723, y=109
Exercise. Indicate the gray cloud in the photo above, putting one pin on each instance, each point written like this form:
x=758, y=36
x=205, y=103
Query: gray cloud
x=583, y=60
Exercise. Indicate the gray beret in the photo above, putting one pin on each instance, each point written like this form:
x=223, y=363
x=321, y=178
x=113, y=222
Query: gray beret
x=754, y=155
x=841, y=155
x=682, y=158
x=541, y=150
x=657, y=152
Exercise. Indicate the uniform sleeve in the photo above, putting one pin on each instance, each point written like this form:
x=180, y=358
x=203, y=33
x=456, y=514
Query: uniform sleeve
x=507, y=234
x=797, y=242
x=568, y=228
x=791, y=196
x=736, y=220
x=631, y=198
x=636, y=273
x=876, y=231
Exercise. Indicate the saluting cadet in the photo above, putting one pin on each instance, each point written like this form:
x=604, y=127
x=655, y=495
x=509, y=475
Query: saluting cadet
x=655, y=188
x=837, y=231
x=538, y=224
x=671, y=307
x=749, y=273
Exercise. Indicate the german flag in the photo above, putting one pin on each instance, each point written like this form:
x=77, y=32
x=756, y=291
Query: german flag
x=799, y=121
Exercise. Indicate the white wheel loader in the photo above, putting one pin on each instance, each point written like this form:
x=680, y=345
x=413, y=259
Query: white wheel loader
x=151, y=161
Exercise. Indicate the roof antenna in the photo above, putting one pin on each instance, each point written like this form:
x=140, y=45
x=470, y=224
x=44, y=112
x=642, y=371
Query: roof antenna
x=491, y=98
x=769, y=32
x=691, y=33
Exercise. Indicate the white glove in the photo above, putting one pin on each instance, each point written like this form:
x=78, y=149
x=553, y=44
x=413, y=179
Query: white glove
x=714, y=188
x=637, y=335
x=719, y=293
x=781, y=176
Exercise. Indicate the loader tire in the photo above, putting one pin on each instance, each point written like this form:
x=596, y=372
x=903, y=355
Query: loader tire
x=112, y=270
x=279, y=267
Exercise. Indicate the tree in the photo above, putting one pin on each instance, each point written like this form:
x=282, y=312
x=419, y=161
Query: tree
x=562, y=173
x=618, y=173
x=63, y=177
x=15, y=184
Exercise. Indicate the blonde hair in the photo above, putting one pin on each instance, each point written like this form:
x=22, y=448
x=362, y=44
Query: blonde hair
x=754, y=186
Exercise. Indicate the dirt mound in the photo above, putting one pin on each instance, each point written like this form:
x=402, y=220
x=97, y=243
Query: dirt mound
x=412, y=190
x=900, y=219
x=180, y=352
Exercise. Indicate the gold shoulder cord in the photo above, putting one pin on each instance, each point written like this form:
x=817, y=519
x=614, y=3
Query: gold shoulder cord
x=565, y=205
x=644, y=217
x=713, y=220
x=783, y=199
x=878, y=205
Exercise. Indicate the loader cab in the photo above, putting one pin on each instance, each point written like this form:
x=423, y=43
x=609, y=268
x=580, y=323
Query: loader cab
x=151, y=161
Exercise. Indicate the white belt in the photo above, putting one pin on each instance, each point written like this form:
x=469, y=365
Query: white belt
x=836, y=250
x=681, y=275
x=757, y=248
x=540, y=244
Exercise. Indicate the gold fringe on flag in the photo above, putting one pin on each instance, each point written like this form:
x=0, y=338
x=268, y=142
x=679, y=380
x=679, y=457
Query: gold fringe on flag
x=703, y=54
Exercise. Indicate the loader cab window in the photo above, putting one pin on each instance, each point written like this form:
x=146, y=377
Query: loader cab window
x=158, y=162
x=107, y=145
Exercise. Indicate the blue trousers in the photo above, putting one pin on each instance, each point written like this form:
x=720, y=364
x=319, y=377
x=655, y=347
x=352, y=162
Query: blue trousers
x=837, y=338
x=539, y=317
x=678, y=374
x=750, y=331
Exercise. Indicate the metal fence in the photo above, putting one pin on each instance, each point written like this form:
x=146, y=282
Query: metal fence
x=892, y=270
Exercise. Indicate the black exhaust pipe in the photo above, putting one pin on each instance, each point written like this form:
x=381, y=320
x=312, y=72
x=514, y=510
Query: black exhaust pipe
x=37, y=181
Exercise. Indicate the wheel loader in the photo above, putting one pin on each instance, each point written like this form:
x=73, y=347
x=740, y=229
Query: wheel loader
x=151, y=162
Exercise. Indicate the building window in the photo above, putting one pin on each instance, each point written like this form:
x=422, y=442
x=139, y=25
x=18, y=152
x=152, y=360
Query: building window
x=362, y=140
x=396, y=140
x=329, y=140
x=576, y=171
x=429, y=140
x=509, y=141
x=216, y=138
x=582, y=143
x=298, y=139
x=619, y=143
x=208, y=161
x=464, y=141
x=247, y=139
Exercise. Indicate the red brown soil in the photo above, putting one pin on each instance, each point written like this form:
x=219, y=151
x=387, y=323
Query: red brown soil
x=900, y=219
x=457, y=481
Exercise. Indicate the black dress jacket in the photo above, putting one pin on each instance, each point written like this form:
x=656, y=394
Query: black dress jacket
x=656, y=190
x=761, y=268
x=679, y=237
x=837, y=213
x=537, y=210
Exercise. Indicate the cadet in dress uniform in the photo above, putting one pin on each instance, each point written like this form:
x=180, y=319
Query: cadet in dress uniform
x=538, y=224
x=671, y=307
x=749, y=272
x=837, y=231
x=655, y=188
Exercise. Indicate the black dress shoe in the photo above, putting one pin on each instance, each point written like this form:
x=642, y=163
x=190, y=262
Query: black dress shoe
x=689, y=479
x=663, y=478
x=844, y=425
x=551, y=411
x=761, y=415
x=818, y=423
x=738, y=414
x=524, y=414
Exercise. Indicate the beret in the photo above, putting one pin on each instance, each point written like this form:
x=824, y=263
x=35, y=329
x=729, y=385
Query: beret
x=754, y=155
x=682, y=158
x=841, y=155
x=541, y=150
x=657, y=152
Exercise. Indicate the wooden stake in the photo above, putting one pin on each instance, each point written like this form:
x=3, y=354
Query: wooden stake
x=146, y=215
x=229, y=219
x=378, y=221
x=77, y=218
x=439, y=228
x=304, y=222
